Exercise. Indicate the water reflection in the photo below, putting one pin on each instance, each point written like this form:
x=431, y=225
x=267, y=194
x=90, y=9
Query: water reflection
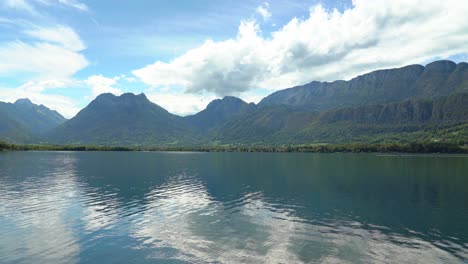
x=100, y=211
x=231, y=208
x=34, y=212
x=184, y=217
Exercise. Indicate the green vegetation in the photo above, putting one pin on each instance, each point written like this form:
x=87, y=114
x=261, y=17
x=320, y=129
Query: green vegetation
x=218, y=112
x=413, y=147
x=439, y=120
x=395, y=106
x=439, y=78
x=409, y=104
x=24, y=121
x=121, y=120
x=4, y=146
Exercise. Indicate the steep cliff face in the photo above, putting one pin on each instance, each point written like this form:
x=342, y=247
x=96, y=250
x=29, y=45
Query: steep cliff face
x=436, y=79
x=453, y=108
x=391, y=121
x=433, y=79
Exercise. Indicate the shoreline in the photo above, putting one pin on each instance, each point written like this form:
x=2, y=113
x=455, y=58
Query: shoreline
x=388, y=148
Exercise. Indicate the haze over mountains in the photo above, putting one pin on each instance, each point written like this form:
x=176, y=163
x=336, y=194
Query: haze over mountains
x=404, y=104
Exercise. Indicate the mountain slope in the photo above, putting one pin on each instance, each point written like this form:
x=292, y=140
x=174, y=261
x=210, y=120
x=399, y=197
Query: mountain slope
x=453, y=108
x=438, y=78
x=403, y=121
x=24, y=121
x=264, y=125
x=219, y=111
x=12, y=131
x=121, y=120
x=408, y=103
x=378, y=122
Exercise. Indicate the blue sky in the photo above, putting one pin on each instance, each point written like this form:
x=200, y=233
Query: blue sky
x=183, y=54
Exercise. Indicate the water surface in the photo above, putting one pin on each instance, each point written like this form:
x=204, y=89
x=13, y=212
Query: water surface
x=147, y=207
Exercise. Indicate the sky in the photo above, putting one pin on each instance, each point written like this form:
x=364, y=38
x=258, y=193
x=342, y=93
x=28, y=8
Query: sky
x=183, y=54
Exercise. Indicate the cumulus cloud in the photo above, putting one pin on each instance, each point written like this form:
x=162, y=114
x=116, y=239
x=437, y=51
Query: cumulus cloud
x=263, y=10
x=326, y=45
x=100, y=84
x=53, y=52
x=183, y=104
x=180, y=103
x=218, y=67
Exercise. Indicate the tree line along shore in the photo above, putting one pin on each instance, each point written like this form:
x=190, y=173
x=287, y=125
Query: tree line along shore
x=413, y=147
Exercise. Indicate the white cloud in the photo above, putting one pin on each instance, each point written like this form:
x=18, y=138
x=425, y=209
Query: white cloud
x=34, y=91
x=219, y=67
x=53, y=53
x=43, y=57
x=253, y=96
x=19, y=5
x=61, y=35
x=327, y=45
x=100, y=84
x=130, y=79
x=29, y=5
x=75, y=4
x=263, y=11
x=39, y=92
x=180, y=103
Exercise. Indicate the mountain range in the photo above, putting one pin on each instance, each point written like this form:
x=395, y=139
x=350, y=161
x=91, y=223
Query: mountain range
x=26, y=122
x=404, y=104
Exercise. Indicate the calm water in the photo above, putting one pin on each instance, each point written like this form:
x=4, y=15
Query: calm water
x=129, y=207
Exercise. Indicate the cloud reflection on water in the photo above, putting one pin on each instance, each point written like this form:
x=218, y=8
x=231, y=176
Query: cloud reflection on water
x=182, y=215
x=33, y=216
x=74, y=212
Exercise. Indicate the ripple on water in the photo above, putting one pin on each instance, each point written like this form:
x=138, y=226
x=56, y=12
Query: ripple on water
x=58, y=217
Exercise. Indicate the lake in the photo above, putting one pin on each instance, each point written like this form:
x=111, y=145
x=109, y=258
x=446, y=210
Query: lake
x=183, y=207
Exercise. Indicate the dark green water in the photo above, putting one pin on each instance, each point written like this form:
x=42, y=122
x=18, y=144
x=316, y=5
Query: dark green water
x=138, y=207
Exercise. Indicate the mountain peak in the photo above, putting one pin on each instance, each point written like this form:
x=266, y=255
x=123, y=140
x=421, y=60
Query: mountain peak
x=124, y=95
x=226, y=101
x=131, y=118
x=141, y=95
x=108, y=99
x=219, y=111
x=26, y=120
x=441, y=66
x=232, y=98
x=23, y=101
